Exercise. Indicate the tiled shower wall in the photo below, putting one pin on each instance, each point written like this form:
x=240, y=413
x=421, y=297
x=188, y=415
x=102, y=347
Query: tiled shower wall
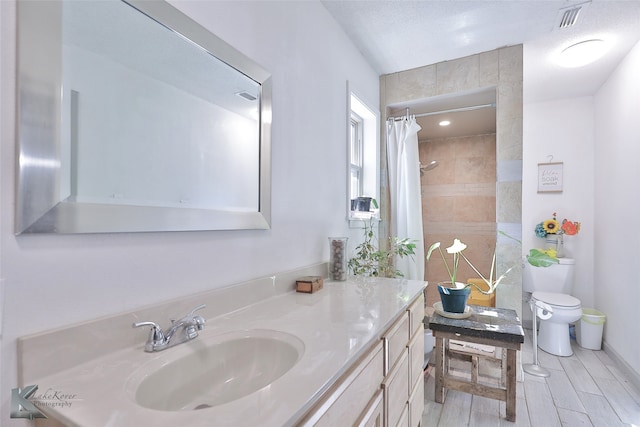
x=502, y=70
x=459, y=201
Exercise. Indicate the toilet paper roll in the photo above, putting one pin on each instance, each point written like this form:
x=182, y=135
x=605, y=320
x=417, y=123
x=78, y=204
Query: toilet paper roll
x=543, y=311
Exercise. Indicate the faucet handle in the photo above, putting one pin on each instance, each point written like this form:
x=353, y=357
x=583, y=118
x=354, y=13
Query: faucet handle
x=200, y=307
x=155, y=334
x=198, y=320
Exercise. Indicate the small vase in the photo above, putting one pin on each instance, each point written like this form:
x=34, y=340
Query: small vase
x=454, y=300
x=556, y=242
x=338, y=258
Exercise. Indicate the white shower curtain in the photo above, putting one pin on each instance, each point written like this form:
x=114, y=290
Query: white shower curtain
x=403, y=165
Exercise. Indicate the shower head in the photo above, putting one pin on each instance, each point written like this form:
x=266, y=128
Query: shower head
x=429, y=166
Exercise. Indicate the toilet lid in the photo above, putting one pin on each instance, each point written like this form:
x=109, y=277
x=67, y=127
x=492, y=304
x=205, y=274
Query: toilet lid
x=561, y=300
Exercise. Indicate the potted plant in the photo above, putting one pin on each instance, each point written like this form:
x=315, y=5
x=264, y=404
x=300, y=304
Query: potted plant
x=454, y=294
x=371, y=261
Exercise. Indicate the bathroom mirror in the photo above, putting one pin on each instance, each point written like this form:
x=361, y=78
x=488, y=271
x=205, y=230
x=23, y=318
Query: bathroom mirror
x=132, y=117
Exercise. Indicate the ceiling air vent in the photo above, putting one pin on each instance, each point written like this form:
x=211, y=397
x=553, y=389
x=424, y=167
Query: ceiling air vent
x=568, y=17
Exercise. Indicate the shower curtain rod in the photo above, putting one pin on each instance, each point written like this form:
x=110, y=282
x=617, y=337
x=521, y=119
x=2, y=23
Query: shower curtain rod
x=453, y=110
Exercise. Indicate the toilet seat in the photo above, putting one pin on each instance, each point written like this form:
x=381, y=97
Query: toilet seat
x=558, y=300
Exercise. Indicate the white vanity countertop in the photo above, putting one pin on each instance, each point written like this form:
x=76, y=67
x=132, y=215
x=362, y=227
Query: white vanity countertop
x=337, y=324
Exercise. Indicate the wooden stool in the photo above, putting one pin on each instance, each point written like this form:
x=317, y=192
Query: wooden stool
x=485, y=326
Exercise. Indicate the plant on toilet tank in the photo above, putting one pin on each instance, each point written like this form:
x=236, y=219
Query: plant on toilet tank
x=553, y=232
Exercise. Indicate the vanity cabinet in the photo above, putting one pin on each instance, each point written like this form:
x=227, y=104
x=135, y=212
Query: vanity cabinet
x=385, y=387
x=404, y=383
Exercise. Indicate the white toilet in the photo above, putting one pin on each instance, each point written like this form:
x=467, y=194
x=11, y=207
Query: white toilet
x=552, y=285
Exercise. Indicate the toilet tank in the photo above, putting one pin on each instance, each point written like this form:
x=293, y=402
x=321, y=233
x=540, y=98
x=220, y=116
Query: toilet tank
x=555, y=278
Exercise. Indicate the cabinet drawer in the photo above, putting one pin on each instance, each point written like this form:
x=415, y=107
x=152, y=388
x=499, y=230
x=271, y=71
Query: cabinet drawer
x=416, y=404
x=416, y=315
x=395, y=342
x=416, y=359
x=396, y=390
x=345, y=404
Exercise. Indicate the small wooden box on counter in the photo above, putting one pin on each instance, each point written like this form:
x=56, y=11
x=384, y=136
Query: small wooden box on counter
x=309, y=284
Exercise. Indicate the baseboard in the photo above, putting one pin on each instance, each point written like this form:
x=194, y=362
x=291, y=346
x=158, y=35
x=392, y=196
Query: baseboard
x=627, y=370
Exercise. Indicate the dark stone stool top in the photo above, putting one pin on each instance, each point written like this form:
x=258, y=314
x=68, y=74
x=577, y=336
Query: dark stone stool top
x=500, y=324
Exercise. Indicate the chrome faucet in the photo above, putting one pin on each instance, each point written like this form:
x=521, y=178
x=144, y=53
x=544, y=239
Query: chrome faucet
x=181, y=330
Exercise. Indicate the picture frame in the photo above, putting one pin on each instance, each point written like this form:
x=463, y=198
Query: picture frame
x=550, y=177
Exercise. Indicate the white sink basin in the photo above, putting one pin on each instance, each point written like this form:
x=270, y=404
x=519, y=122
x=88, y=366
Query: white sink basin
x=225, y=368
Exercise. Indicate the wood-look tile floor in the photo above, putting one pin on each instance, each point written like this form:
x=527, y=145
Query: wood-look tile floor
x=585, y=389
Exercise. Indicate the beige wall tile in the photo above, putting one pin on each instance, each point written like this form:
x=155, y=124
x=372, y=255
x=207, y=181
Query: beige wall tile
x=438, y=209
x=510, y=63
x=476, y=146
x=489, y=74
x=509, y=202
x=475, y=209
x=475, y=170
x=457, y=75
x=410, y=85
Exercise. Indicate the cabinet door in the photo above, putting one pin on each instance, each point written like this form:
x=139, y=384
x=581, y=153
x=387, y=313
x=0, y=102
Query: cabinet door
x=416, y=404
x=404, y=418
x=373, y=415
x=350, y=396
x=416, y=359
x=396, y=390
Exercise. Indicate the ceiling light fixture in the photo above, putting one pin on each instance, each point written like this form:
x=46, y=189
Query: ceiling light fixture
x=582, y=53
x=444, y=123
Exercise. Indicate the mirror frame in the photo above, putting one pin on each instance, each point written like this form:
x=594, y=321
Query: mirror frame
x=40, y=208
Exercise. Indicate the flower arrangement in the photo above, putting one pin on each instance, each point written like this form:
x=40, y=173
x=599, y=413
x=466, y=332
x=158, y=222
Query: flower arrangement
x=548, y=257
x=552, y=226
x=456, y=250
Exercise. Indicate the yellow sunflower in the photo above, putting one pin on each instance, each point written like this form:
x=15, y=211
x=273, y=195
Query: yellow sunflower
x=551, y=226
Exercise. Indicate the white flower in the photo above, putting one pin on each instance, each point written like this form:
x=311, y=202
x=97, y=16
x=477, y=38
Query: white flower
x=457, y=247
x=456, y=250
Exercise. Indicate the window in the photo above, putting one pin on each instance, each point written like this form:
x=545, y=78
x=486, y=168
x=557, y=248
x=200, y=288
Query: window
x=364, y=147
x=355, y=163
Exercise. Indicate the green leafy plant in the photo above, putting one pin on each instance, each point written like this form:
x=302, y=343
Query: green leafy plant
x=371, y=261
x=542, y=258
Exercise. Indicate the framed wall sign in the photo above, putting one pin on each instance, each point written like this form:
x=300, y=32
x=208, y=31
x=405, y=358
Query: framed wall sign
x=550, y=177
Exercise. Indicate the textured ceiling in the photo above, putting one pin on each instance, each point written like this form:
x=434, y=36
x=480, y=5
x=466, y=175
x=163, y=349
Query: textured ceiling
x=399, y=35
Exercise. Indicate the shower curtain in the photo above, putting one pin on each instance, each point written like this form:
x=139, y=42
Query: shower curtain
x=403, y=166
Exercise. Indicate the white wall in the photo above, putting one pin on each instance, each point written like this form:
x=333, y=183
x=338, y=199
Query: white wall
x=597, y=138
x=617, y=150
x=562, y=129
x=52, y=281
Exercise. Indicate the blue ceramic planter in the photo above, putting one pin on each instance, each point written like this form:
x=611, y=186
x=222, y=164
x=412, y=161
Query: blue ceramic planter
x=453, y=300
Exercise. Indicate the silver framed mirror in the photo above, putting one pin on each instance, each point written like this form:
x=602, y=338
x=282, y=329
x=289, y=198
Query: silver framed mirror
x=134, y=118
